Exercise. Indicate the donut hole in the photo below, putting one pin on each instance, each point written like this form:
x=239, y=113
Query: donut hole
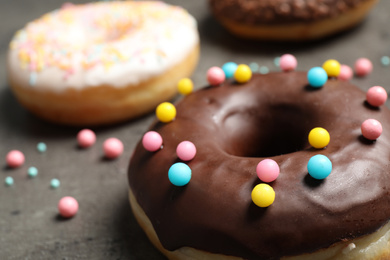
x=256, y=133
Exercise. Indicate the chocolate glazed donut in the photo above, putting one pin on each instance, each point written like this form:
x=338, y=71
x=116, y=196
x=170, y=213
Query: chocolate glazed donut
x=235, y=126
x=289, y=19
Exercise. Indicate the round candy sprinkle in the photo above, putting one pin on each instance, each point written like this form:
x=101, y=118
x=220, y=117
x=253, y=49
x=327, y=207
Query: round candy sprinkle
x=277, y=61
x=243, y=73
x=229, y=68
x=9, y=181
x=179, y=174
x=55, y=183
x=215, y=76
x=267, y=170
x=346, y=72
x=263, y=70
x=317, y=77
x=32, y=172
x=376, y=96
x=68, y=207
x=288, y=62
x=319, y=167
x=319, y=137
x=363, y=67
x=41, y=147
x=113, y=148
x=15, y=158
x=371, y=129
x=185, y=86
x=254, y=66
x=86, y=138
x=385, y=60
x=263, y=195
x=166, y=112
x=332, y=68
x=186, y=151
x=152, y=141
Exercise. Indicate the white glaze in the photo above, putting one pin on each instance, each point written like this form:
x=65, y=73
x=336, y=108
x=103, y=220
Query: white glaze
x=160, y=37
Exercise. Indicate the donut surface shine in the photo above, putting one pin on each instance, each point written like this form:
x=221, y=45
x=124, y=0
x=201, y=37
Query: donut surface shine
x=234, y=127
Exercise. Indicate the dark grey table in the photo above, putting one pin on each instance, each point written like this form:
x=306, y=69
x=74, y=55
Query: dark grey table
x=104, y=227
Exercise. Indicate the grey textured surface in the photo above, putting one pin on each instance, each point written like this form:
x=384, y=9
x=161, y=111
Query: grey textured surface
x=104, y=227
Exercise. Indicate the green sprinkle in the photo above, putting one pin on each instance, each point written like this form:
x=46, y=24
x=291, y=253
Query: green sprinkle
x=32, y=172
x=277, y=62
x=385, y=60
x=55, y=183
x=263, y=70
x=41, y=147
x=9, y=181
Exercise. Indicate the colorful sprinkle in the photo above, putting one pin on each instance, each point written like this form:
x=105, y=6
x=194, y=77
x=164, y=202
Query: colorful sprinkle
x=152, y=141
x=179, y=174
x=319, y=167
x=229, y=68
x=363, y=67
x=376, y=96
x=267, y=170
x=332, y=67
x=166, y=112
x=243, y=73
x=113, y=148
x=263, y=195
x=319, y=137
x=9, y=181
x=68, y=207
x=41, y=147
x=86, y=138
x=385, y=61
x=32, y=172
x=288, y=62
x=215, y=76
x=55, y=183
x=186, y=151
x=263, y=70
x=317, y=77
x=371, y=129
x=15, y=158
x=346, y=72
x=277, y=62
x=185, y=86
x=254, y=66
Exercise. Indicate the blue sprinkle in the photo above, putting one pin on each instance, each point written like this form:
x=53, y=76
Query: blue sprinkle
x=9, y=181
x=32, y=172
x=55, y=183
x=385, y=60
x=229, y=68
x=41, y=147
x=254, y=66
x=317, y=77
x=277, y=62
x=264, y=70
x=179, y=174
x=319, y=167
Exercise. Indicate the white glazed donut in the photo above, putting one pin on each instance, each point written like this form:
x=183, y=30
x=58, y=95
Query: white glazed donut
x=102, y=62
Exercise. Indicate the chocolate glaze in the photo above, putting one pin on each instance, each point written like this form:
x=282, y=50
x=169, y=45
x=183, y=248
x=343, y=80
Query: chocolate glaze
x=234, y=127
x=254, y=12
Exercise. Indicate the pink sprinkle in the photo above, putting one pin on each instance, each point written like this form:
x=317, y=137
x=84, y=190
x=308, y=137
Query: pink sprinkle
x=267, y=170
x=152, y=141
x=371, y=129
x=346, y=72
x=215, y=76
x=86, y=138
x=113, y=148
x=288, y=62
x=186, y=151
x=376, y=96
x=15, y=158
x=67, y=5
x=363, y=67
x=68, y=207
